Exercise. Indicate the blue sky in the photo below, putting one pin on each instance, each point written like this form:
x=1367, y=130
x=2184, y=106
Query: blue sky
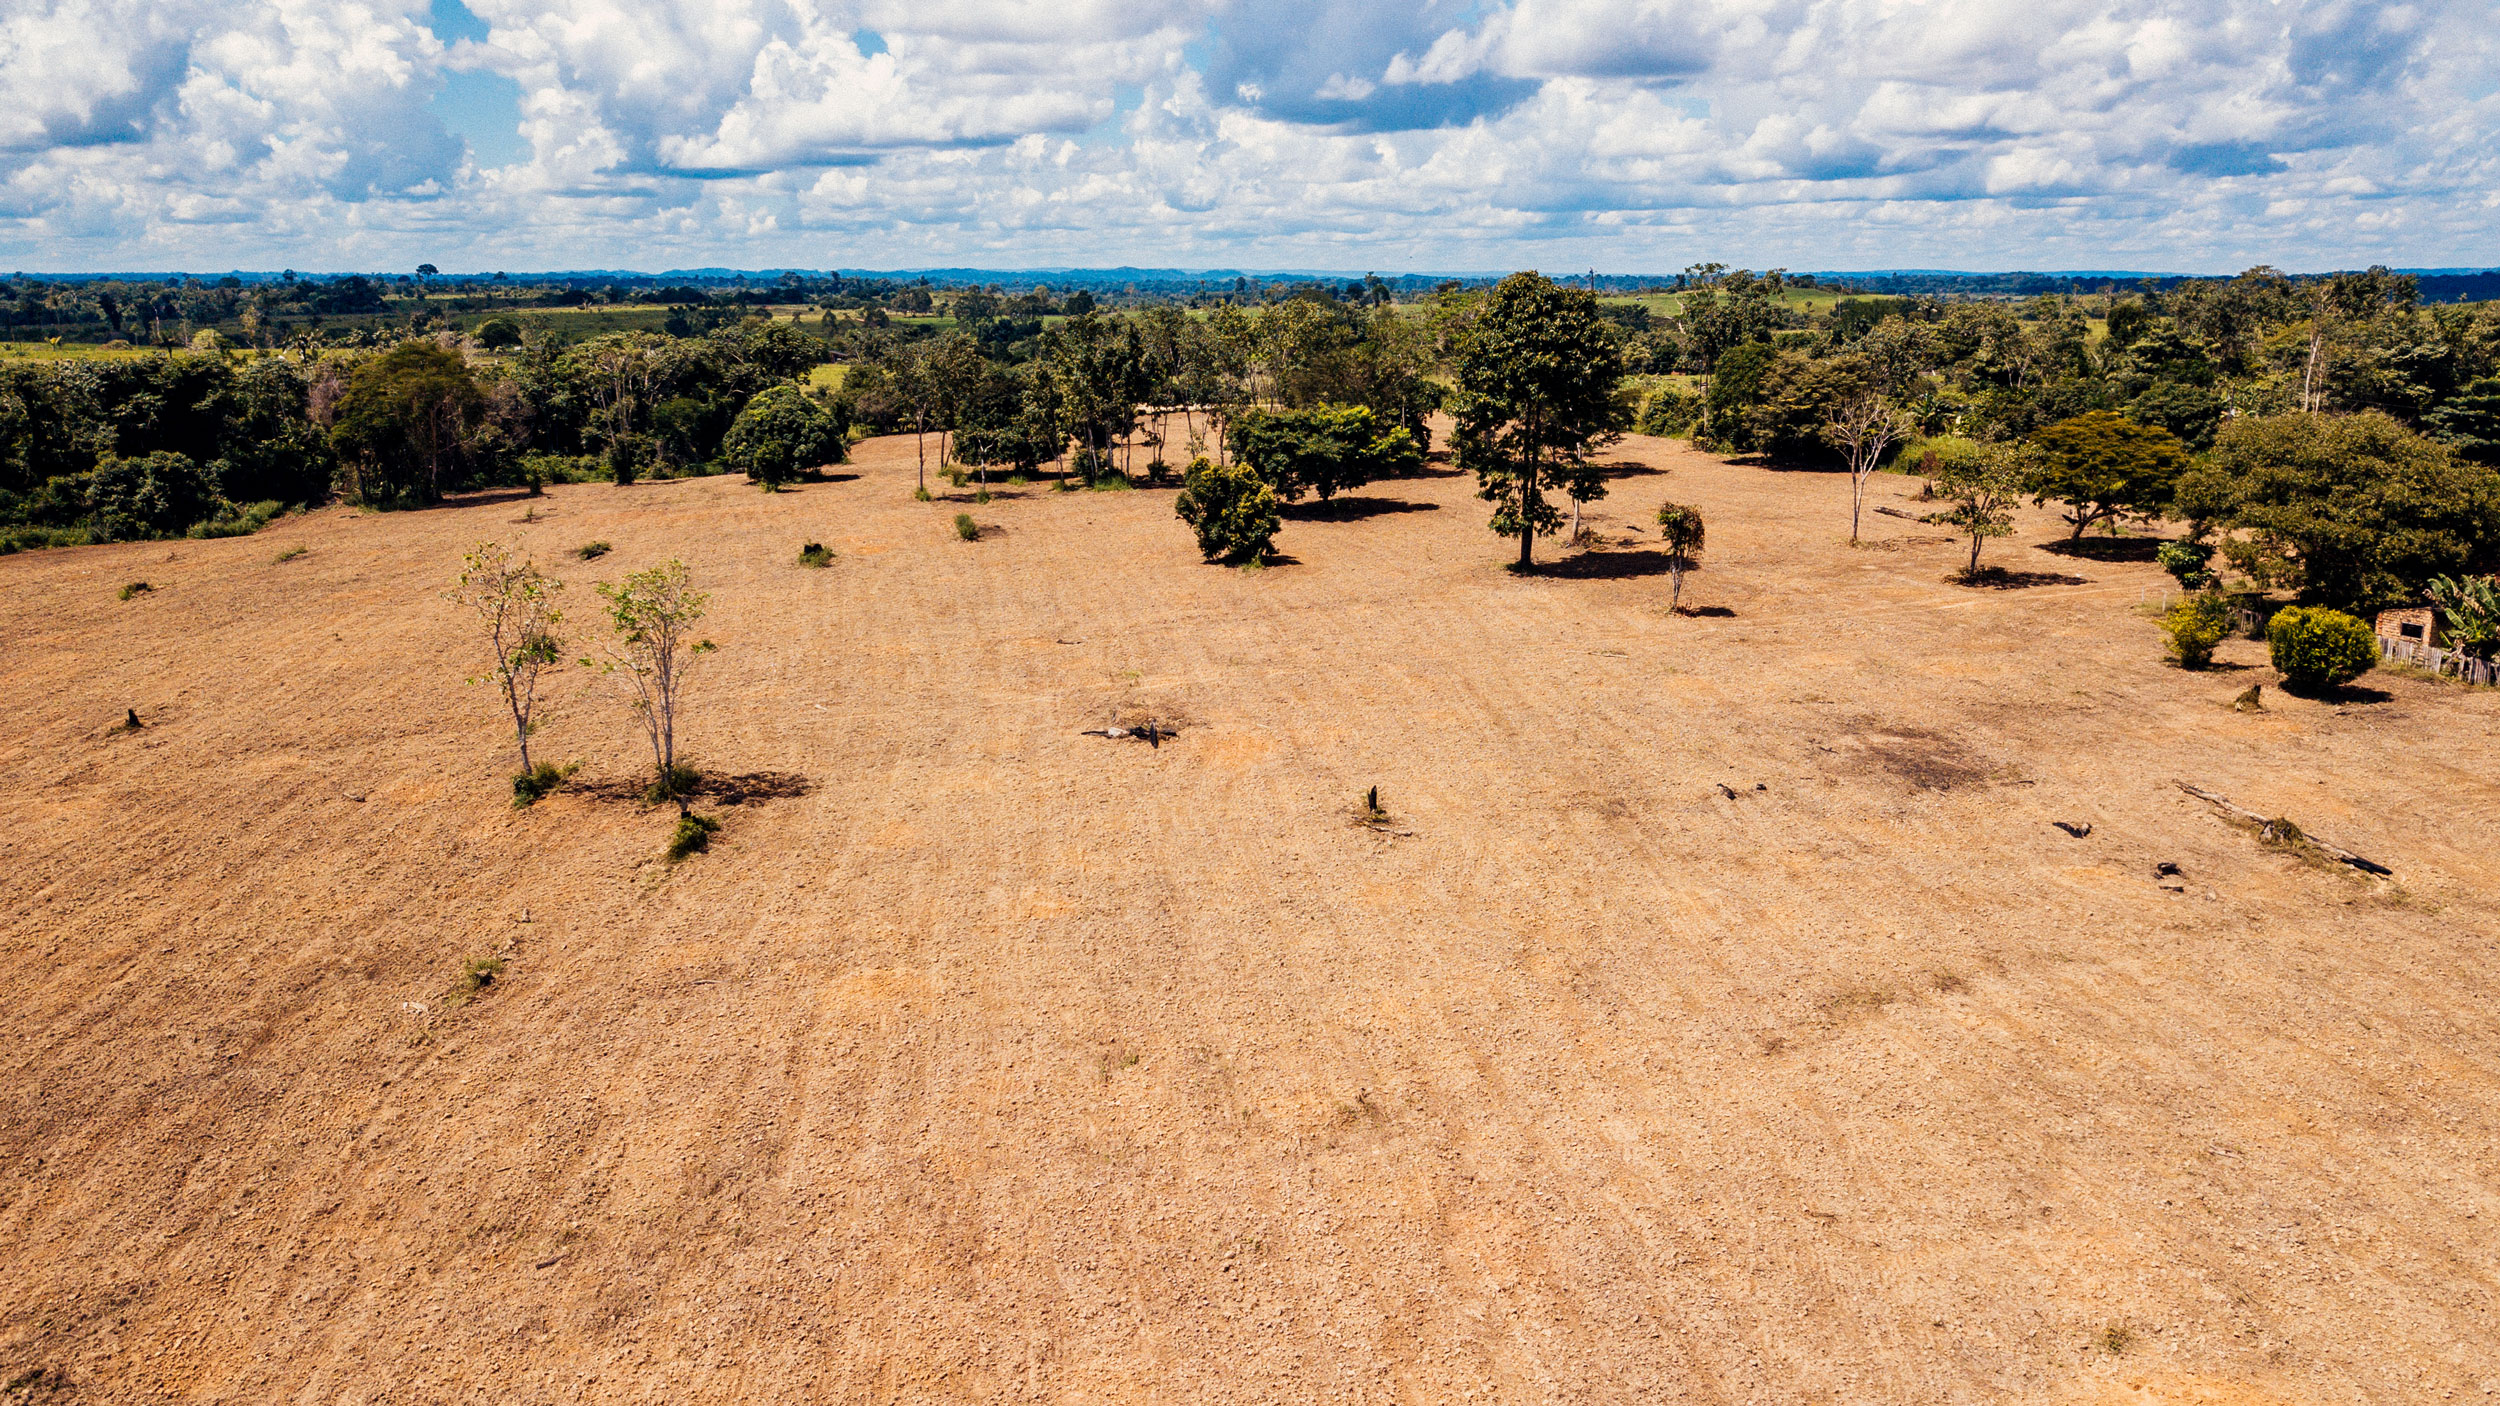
x=2190, y=135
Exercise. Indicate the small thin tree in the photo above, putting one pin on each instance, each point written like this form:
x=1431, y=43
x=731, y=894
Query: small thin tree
x=1680, y=532
x=653, y=613
x=516, y=604
x=1984, y=490
x=1861, y=425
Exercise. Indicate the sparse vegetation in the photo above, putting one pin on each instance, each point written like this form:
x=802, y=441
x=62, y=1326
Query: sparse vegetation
x=693, y=836
x=537, y=783
x=136, y=588
x=966, y=528
x=815, y=554
x=2317, y=648
x=652, y=614
x=288, y=555
x=515, y=605
x=1983, y=491
x=592, y=551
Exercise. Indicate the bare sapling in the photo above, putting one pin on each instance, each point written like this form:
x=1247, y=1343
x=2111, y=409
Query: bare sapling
x=515, y=605
x=1861, y=426
x=653, y=613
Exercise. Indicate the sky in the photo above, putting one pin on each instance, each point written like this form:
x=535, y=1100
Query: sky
x=2193, y=136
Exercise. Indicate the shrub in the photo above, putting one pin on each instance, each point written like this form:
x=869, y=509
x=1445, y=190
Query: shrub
x=624, y=461
x=2186, y=561
x=815, y=554
x=537, y=783
x=591, y=551
x=677, y=782
x=239, y=521
x=2315, y=648
x=694, y=835
x=478, y=973
x=134, y=588
x=1682, y=533
x=155, y=495
x=1325, y=450
x=782, y=433
x=920, y=494
x=966, y=528
x=289, y=554
x=1232, y=508
x=1667, y=412
x=498, y=333
x=2195, y=626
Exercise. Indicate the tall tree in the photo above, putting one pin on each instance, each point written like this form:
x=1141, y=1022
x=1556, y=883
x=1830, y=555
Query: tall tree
x=2103, y=466
x=1536, y=370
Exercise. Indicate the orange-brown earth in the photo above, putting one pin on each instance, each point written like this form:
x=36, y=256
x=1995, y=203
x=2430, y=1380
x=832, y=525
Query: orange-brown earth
x=982, y=1059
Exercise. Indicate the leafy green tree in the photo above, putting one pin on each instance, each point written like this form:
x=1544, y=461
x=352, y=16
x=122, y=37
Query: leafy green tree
x=1326, y=450
x=1536, y=372
x=1098, y=373
x=2317, y=648
x=1735, y=388
x=516, y=607
x=154, y=495
x=783, y=433
x=653, y=614
x=1231, y=507
x=1984, y=489
x=2188, y=562
x=404, y=422
x=2103, y=467
x=2351, y=510
x=498, y=334
x=1681, y=533
x=2469, y=422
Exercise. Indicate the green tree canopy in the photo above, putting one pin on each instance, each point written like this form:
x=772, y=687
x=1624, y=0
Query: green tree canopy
x=2103, y=467
x=782, y=433
x=2352, y=510
x=404, y=424
x=1325, y=450
x=1536, y=371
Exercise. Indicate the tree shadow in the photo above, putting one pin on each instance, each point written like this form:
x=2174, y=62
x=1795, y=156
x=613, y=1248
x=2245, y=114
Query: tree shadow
x=1997, y=578
x=474, y=498
x=1354, y=509
x=1627, y=468
x=1434, y=466
x=727, y=788
x=2105, y=548
x=2336, y=693
x=1705, y=612
x=1607, y=566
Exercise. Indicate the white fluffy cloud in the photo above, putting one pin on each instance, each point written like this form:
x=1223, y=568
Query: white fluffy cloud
x=1624, y=134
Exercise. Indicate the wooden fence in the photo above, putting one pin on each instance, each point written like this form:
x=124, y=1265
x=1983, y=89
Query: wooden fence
x=2482, y=672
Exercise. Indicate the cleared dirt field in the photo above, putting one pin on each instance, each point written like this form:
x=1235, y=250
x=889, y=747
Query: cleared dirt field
x=985, y=1060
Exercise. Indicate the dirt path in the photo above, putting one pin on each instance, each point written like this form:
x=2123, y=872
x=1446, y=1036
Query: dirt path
x=984, y=1060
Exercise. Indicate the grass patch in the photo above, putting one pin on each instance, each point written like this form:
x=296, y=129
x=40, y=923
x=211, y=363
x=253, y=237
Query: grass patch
x=1017, y=480
x=30, y=539
x=240, y=521
x=1111, y=483
x=694, y=835
x=476, y=975
x=2115, y=1339
x=920, y=494
x=815, y=554
x=592, y=551
x=288, y=555
x=539, y=782
x=677, y=785
x=136, y=588
x=966, y=528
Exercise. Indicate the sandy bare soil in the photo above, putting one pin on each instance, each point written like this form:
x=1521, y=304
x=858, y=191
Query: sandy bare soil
x=983, y=1060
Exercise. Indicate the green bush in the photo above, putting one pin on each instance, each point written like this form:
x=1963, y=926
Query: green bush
x=592, y=551
x=2195, y=626
x=1232, y=508
x=1667, y=413
x=784, y=432
x=966, y=528
x=2186, y=560
x=678, y=784
x=2315, y=648
x=1326, y=450
x=815, y=554
x=540, y=781
x=694, y=835
x=498, y=333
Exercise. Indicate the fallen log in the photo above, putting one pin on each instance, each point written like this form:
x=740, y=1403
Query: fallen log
x=1896, y=512
x=2268, y=824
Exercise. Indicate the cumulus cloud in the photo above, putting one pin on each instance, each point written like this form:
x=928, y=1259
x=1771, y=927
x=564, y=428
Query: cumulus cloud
x=1635, y=134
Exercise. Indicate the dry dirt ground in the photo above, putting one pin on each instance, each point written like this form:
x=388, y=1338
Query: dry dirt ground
x=984, y=1060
